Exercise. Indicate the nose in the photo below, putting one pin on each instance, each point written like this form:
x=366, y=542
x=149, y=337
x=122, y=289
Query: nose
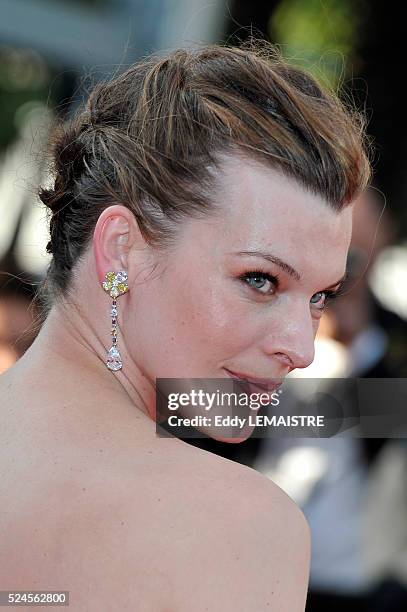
x=291, y=341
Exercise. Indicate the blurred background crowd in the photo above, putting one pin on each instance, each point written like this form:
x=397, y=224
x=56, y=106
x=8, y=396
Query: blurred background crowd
x=353, y=490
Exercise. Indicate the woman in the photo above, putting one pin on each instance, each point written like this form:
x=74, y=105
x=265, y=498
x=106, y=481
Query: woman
x=201, y=216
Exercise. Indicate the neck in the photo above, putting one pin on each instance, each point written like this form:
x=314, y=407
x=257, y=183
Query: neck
x=68, y=357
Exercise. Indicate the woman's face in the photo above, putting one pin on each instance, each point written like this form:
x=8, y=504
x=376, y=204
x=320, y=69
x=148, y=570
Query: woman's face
x=212, y=306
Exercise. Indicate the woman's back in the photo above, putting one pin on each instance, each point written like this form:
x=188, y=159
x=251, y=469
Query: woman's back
x=126, y=520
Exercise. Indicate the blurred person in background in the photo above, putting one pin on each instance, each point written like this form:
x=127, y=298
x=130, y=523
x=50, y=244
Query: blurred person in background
x=376, y=343
x=19, y=310
x=339, y=509
x=17, y=331
x=359, y=321
x=385, y=533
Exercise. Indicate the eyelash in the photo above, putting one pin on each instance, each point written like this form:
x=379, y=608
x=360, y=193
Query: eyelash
x=330, y=294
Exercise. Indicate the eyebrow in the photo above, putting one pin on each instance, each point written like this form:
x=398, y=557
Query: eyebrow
x=284, y=265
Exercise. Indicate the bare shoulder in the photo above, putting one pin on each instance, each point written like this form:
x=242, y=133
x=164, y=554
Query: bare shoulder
x=170, y=528
x=220, y=536
x=242, y=487
x=256, y=548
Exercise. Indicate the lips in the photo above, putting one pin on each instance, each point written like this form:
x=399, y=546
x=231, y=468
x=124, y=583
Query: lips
x=267, y=384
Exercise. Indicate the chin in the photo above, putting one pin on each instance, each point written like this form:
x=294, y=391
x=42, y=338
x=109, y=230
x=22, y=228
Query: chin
x=241, y=436
x=235, y=440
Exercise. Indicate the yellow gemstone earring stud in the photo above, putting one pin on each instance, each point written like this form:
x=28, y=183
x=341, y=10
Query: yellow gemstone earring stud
x=115, y=285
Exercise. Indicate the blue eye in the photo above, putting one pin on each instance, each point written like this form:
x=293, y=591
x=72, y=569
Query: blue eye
x=323, y=303
x=266, y=284
x=260, y=281
x=329, y=295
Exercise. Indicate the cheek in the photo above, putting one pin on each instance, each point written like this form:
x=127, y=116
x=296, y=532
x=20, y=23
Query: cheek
x=186, y=322
x=200, y=322
x=208, y=313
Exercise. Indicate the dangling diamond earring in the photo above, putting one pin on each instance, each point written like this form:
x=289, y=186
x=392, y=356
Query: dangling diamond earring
x=115, y=284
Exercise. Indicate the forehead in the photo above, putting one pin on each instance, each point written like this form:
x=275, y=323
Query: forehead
x=262, y=209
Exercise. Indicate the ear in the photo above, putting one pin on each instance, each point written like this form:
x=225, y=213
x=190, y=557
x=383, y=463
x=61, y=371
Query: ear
x=115, y=233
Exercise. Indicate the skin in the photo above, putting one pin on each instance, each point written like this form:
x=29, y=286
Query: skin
x=89, y=435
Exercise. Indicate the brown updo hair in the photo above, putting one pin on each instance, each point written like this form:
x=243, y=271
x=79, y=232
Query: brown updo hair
x=151, y=137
